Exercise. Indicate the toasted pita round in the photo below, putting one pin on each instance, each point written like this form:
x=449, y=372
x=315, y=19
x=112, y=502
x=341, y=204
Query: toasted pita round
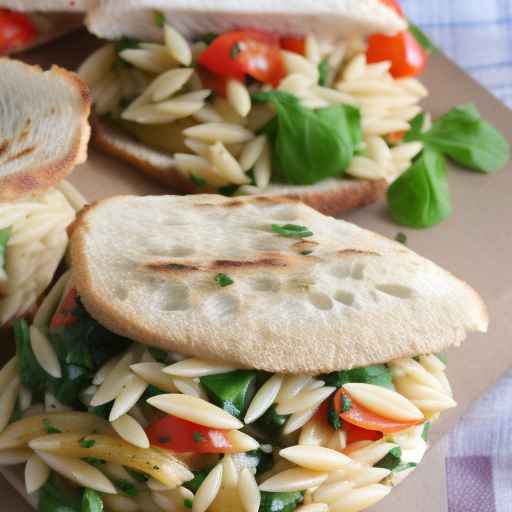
x=331, y=196
x=112, y=19
x=146, y=267
x=43, y=127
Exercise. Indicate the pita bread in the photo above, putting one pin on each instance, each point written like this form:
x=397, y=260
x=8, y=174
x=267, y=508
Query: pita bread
x=329, y=19
x=145, y=268
x=331, y=196
x=43, y=130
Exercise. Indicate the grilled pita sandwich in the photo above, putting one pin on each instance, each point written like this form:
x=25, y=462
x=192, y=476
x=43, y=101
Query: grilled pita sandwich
x=234, y=354
x=188, y=93
x=25, y=24
x=43, y=135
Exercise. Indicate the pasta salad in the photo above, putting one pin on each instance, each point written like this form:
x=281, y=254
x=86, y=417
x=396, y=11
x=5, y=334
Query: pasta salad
x=103, y=421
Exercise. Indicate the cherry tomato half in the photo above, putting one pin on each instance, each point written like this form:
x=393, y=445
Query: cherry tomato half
x=16, y=30
x=64, y=315
x=245, y=52
x=182, y=436
x=407, y=57
x=364, y=418
x=294, y=44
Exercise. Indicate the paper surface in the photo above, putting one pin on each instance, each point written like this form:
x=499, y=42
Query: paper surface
x=475, y=243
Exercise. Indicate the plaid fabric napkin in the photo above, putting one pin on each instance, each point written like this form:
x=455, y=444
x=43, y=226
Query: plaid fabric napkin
x=476, y=34
x=479, y=459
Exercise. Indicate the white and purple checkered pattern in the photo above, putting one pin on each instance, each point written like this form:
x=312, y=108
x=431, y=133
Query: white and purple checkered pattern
x=476, y=34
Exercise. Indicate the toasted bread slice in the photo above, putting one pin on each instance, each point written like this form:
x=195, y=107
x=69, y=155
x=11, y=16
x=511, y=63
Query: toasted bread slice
x=147, y=268
x=112, y=19
x=44, y=128
x=330, y=197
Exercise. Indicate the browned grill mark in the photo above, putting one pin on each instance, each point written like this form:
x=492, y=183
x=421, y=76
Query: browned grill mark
x=356, y=252
x=216, y=265
x=26, y=130
x=4, y=146
x=20, y=154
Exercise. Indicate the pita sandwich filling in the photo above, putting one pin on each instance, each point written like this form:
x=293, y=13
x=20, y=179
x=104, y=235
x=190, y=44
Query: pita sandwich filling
x=215, y=354
x=40, y=144
x=309, y=101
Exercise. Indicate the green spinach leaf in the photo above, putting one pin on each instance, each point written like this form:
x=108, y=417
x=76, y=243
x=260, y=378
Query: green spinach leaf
x=91, y=501
x=280, y=501
x=378, y=375
x=306, y=148
x=323, y=71
x=420, y=198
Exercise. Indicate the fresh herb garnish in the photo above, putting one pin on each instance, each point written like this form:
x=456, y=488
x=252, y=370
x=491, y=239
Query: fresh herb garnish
x=420, y=198
x=333, y=417
x=208, y=38
x=378, y=375
x=198, y=181
x=228, y=190
x=404, y=465
x=57, y=496
x=401, y=237
x=422, y=38
x=91, y=501
x=87, y=443
x=223, y=280
x=197, y=437
x=346, y=403
x=199, y=477
x=323, y=71
x=94, y=461
x=392, y=460
x=5, y=235
x=126, y=487
x=292, y=230
x=235, y=50
x=426, y=431
x=159, y=355
x=280, y=501
x=159, y=18
x=309, y=145
x=231, y=391
x=464, y=136
x=271, y=421
x=188, y=503
x=50, y=428
x=137, y=475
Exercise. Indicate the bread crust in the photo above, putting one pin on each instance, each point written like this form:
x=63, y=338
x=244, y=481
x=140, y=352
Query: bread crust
x=44, y=173
x=370, y=300
x=342, y=196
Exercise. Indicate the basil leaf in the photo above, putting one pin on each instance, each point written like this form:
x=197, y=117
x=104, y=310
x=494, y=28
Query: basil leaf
x=223, y=280
x=420, y=198
x=57, y=496
x=33, y=377
x=416, y=127
x=426, y=431
x=280, y=501
x=392, y=460
x=306, y=148
x=422, y=38
x=5, y=235
x=91, y=501
x=159, y=19
x=199, y=477
x=469, y=140
x=231, y=391
x=378, y=375
x=323, y=71
x=292, y=230
x=346, y=120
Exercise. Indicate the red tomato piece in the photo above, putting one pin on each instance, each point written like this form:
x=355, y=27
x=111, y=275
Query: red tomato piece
x=393, y=4
x=294, y=44
x=356, y=434
x=396, y=137
x=407, y=57
x=217, y=83
x=182, y=436
x=64, y=316
x=245, y=52
x=16, y=30
x=364, y=418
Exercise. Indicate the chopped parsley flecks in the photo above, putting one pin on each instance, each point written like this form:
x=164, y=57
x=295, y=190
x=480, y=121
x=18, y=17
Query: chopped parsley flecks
x=223, y=280
x=292, y=230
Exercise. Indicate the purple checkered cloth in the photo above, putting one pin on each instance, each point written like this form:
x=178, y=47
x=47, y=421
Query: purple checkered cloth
x=479, y=459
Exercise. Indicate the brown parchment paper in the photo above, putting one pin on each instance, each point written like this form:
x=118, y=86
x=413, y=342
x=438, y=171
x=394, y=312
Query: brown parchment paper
x=475, y=244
